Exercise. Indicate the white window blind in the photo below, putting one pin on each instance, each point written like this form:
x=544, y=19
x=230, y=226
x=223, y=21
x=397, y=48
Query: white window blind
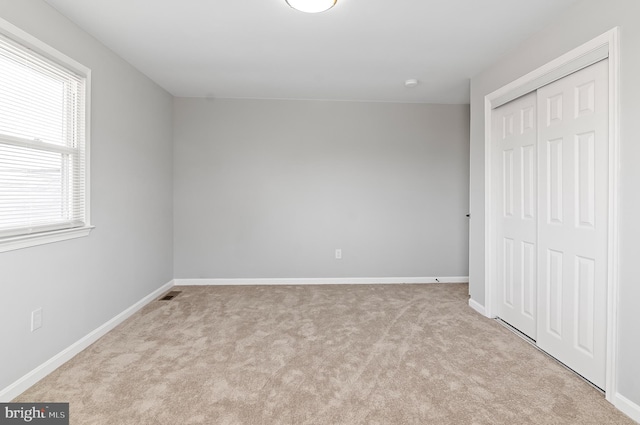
x=42, y=143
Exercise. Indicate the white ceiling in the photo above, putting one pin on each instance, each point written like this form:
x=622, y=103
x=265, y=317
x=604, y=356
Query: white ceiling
x=359, y=50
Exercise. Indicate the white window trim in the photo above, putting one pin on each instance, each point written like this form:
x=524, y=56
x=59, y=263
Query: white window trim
x=34, y=239
x=25, y=241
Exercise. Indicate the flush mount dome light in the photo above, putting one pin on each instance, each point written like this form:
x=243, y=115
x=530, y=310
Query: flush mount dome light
x=311, y=6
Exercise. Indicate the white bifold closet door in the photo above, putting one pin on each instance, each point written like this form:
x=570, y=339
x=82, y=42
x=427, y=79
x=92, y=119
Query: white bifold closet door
x=572, y=228
x=553, y=218
x=515, y=128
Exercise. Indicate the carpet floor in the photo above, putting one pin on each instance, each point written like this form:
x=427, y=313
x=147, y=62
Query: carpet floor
x=361, y=354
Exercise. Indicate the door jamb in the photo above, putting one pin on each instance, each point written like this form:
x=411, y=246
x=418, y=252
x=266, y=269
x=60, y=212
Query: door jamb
x=608, y=41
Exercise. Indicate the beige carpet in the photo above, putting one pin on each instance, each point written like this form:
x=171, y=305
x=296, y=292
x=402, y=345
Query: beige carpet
x=370, y=354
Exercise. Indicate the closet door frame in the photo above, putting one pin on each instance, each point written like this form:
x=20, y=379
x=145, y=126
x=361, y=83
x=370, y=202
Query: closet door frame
x=601, y=47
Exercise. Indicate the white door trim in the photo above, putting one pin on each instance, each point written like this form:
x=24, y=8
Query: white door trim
x=577, y=58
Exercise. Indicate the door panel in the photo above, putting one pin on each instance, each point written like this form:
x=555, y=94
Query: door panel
x=515, y=136
x=554, y=291
x=528, y=278
x=554, y=173
x=572, y=229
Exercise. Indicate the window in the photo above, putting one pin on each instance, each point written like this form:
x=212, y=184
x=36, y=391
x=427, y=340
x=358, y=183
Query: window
x=43, y=143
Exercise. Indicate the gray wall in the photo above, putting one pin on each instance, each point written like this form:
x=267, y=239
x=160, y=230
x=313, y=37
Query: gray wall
x=269, y=189
x=579, y=24
x=82, y=283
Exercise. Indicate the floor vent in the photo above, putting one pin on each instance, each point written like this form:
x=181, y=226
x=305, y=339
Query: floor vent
x=170, y=295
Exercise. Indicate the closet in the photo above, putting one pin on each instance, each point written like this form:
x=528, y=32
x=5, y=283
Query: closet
x=550, y=148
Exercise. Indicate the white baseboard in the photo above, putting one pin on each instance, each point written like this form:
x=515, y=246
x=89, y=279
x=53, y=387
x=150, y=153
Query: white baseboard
x=21, y=385
x=322, y=281
x=477, y=307
x=627, y=407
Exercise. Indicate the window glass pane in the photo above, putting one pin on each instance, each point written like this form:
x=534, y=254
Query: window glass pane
x=32, y=104
x=33, y=189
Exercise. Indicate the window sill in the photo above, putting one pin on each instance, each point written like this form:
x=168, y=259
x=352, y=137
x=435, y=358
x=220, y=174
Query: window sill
x=25, y=241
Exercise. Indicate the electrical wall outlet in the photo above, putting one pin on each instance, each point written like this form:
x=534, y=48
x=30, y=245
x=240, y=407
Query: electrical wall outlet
x=36, y=319
x=338, y=254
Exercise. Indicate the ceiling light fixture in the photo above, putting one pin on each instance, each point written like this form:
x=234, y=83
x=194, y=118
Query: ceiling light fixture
x=311, y=6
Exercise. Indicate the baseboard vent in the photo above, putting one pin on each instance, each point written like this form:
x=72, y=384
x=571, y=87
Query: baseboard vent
x=170, y=295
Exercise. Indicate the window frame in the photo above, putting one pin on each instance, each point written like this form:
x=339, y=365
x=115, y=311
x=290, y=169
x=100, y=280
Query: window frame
x=10, y=243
